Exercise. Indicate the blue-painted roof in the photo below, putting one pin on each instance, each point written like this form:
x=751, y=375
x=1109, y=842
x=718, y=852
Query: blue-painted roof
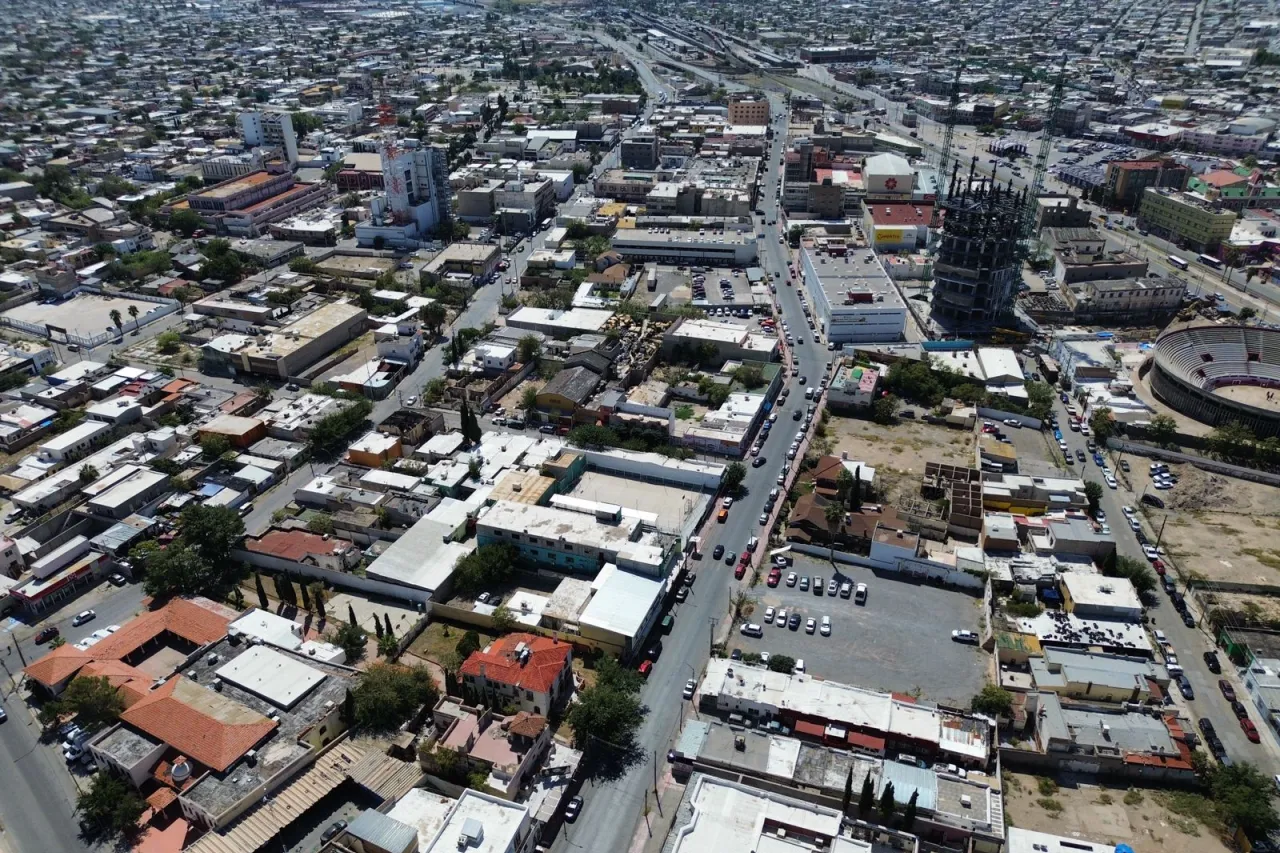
x=905, y=779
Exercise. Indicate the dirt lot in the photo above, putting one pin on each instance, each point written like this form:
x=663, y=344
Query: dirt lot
x=1222, y=528
x=1143, y=819
x=899, y=453
x=511, y=400
x=440, y=638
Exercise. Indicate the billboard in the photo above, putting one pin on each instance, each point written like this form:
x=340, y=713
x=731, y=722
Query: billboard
x=889, y=235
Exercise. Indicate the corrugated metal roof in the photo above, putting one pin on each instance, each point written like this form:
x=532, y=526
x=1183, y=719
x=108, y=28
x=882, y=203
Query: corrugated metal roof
x=385, y=833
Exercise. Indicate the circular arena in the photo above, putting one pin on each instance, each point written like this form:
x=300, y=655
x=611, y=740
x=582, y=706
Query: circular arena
x=1221, y=374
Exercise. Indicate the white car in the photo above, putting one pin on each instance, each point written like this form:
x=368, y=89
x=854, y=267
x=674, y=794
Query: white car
x=1135, y=525
x=1151, y=553
x=825, y=630
x=689, y=687
x=962, y=636
x=1111, y=481
x=726, y=503
x=1129, y=511
x=768, y=615
x=781, y=618
x=810, y=626
x=791, y=578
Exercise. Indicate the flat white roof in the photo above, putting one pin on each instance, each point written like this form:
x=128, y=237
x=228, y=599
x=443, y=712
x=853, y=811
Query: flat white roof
x=621, y=601
x=1018, y=840
x=1101, y=591
x=501, y=824
x=276, y=677
x=270, y=628
x=86, y=430
x=421, y=558
x=732, y=817
x=425, y=811
x=552, y=523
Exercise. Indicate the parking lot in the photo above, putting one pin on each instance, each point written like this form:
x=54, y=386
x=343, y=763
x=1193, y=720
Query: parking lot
x=900, y=641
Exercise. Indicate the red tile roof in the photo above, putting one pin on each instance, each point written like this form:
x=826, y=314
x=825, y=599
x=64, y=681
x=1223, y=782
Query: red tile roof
x=293, y=545
x=1223, y=178
x=199, y=722
x=181, y=617
x=499, y=664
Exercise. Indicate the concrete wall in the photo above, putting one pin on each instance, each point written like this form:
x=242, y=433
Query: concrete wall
x=342, y=580
x=907, y=569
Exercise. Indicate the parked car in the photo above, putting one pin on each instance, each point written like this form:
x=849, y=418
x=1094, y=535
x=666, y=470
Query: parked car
x=1211, y=661
x=334, y=828
x=1228, y=692
x=963, y=636
x=689, y=688
x=82, y=617
x=572, y=810
x=1184, y=687
x=47, y=634
x=1250, y=730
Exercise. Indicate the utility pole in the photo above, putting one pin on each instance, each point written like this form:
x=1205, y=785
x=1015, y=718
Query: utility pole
x=711, y=634
x=1160, y=535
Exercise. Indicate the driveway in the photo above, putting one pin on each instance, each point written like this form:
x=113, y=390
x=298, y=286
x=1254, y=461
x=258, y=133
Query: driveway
x=900, y=641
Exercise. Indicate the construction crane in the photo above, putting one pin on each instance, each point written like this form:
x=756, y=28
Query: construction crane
x=1042, y=156
x=949, y=127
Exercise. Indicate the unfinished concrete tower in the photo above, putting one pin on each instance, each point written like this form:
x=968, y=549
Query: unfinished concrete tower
x=976, y=271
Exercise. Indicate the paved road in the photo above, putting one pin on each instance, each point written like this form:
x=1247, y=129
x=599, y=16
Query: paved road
x=601, y=825
x=1190, y=643
x=37, y=814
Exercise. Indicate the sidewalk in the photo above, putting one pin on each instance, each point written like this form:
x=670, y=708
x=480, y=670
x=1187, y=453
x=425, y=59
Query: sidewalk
x=652, y=830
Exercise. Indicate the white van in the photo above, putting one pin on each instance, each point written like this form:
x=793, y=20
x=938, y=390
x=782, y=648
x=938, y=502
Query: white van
x=1161, y=638
x=752, y=543
x=751, y=629
x=799, y=666
x=860, y=595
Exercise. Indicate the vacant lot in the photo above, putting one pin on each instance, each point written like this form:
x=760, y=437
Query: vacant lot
x=1219, y=527
x=1143, y=819
x=439, y=639
x=899, y=453
x=86, y=314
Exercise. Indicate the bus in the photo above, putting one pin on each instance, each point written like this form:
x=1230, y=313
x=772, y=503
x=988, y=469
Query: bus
x=1209, y=261
x=1177, y=262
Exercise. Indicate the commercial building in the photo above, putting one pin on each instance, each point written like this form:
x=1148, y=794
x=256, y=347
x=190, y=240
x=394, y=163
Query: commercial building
x=717, y=248
x=416, y=200
x=274, y=129
x=732, y=340
x=288, y=351
x=246, y=205
x=531, y=672
x=626, y=185
x=1125, y=181
x=1081, y=254
x=897, y=226
x=1237, y=192
x=1130, y=301
x=748, y=109
x=1082, y=674
x=834, y=712
x=977, y=266
x=577, y=536
x=1186, y=218
x=853, y=299
x=1093, y=596
x=640, y=151
x=462, y=258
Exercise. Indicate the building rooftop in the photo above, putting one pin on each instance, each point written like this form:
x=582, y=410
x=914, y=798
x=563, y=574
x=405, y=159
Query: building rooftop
x=523, y=661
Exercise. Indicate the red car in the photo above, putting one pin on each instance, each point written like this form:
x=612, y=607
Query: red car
x=774, y=579
x=646, y=668
x=1250, y=730
x=740, y=571
x=1158, y=565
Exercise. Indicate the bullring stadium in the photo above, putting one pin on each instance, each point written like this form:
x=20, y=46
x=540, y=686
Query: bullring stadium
x=1221, y=374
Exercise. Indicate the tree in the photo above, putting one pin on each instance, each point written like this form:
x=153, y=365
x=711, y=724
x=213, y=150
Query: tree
x=88, y=474
x=1242, y=796
x=486, y=567
x=1162, y=430
x=529, y=349
x=321, y=523
x=607, y=714
x=734, y=474
x=1136, y=572
x=848, y=790
x=504, y=621
x=263, y=602
x=887, y=803
x=833, y=512
x=303, y=265
x=212, y=446
x=317, y=599
x=133, y=315
x=866, y=799
x=468, y=645
x=909, y=813
x=750, y=376
x=1093, y=494
x=885, y=410
x=117, y=319
x=1102, y=423
x=433, y=391
x=529, y=401
x=330, y=433
x=185, y=222
x=794, y=233
x=388, y=645
x=389, y=694
x=212, y=530
x=168, y=341
x=173, y=570
x=351, y=615
x=285, y=591
x=856, y=493
x=351, y=638
x=993, y=700
x=742, y=604
x=782, y=663
x=433, y=317
x=1247, y=313
x=110, y=806
x=844, y=486
x=94, y=700
x=470, y=424
x=1231, y=440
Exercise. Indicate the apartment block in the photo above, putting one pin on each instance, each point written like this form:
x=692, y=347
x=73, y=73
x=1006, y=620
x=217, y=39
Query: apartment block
x=1187, y=218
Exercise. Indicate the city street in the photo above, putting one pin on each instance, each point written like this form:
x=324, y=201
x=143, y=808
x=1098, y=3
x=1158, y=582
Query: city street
x=1190, y=643
x=687, y=648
